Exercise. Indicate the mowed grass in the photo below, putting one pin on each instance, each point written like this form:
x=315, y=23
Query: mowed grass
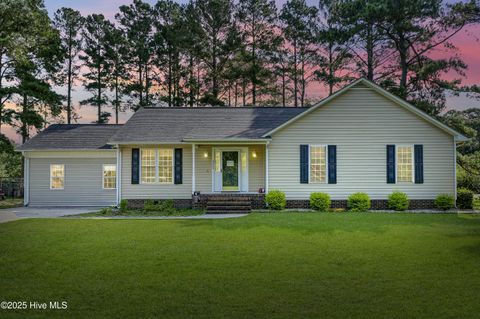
x=286, y=265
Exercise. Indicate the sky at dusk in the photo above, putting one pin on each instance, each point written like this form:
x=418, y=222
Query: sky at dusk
x=467, y=41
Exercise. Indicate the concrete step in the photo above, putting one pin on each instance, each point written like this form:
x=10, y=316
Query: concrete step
x=228, y=208
x=228, y=212
x=222, y=203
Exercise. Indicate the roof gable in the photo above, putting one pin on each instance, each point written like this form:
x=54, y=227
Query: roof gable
x=398, y=101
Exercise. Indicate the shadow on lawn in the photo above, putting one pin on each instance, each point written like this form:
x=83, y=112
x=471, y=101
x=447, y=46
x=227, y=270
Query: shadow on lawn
x=308, y=223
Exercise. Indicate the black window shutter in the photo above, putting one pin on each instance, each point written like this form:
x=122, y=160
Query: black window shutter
x=135, y=165
x=304, y=164
x=178, y=166
x=418, y=164
x=391, y=164
x=332, y=164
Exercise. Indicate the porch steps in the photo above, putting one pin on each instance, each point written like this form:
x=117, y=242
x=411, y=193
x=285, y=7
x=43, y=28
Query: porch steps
x=229, y=205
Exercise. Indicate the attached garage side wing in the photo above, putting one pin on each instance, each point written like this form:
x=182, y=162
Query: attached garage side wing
x=83, y=183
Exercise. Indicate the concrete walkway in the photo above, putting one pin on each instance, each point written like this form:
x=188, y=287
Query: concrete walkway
x=10, y=214
x=205, y=216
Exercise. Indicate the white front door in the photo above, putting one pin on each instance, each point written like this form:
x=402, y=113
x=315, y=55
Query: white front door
x=230, y=169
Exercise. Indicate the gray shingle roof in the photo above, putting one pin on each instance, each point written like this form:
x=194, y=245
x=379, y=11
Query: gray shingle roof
x=72, y=137
x=165, y=125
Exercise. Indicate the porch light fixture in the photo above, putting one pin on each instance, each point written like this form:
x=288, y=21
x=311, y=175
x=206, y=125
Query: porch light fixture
x=254, y=154
x=205, y=154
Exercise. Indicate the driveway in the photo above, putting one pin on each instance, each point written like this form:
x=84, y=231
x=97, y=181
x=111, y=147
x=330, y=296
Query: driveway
x=42, y=212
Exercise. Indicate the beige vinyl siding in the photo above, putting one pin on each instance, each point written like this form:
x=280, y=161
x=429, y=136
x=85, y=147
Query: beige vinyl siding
x=256, y=167
x=361, y=123
x=156, y=190
x=83, y=181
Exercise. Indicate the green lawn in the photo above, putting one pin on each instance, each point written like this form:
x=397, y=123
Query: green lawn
x=297, y=265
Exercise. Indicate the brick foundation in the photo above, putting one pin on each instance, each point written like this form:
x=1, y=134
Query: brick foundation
x=177, y=203
x=258, y=202
x=377, y=204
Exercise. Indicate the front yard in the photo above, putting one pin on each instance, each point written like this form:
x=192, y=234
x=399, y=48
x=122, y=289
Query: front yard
x=284, y=265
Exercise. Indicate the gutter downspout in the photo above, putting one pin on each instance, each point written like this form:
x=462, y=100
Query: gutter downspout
x=26, y=180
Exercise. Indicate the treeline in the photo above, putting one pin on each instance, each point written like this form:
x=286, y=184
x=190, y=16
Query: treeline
x=220, y=52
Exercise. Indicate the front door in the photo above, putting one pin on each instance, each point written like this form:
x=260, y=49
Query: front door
x=230, y=171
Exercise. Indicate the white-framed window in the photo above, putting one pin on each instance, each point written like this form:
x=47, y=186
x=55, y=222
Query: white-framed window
x=148, y=159
x=165, y=166
x=318, y=163
x=405, y=163
x=57, y=176
x=109, y=176
x=156, y=165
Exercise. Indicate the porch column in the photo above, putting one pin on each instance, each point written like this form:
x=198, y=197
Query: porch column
x=193, y=168
x=266, y=168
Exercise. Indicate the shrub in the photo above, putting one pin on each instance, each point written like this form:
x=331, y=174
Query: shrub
x=123, y=206
x=320, y=201
x=166, y=206
x=464, y=198
x=106, y=211
x=358, y=202
x=275, y=199
x=445, y=201
x=398, y=201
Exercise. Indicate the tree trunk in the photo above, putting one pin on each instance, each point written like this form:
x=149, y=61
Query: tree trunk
x=330, y=69
x=295, y=80
x=24, y=128
x=403, y=54
x=147, y=85
x=116, y=99
x=369, y=49
x=284, y=83
x=191, y=92
x=254, y=64
x=169, y=79
x=236, y=93
x=69, y=78
x=140, y=83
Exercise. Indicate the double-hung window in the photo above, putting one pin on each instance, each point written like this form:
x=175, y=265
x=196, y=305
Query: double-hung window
x=318, y=164
x=57, y=176
x=109, y=176
x=156, y=165
x=405, y=164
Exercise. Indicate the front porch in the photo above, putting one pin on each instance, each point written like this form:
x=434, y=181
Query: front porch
x=229, y=168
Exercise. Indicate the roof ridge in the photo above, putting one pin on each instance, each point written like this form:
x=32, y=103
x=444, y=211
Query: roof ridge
x=221, y=107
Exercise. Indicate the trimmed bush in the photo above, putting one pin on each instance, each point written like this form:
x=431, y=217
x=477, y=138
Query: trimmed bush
x=166, y=206
x=445, y=201
x=464, y=198
x=398, y=201
x=123, y=206
x=275, y=199
x=358, y=202
x=320, y=201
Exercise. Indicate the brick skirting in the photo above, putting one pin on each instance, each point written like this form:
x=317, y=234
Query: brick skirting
x=377, y=204
x=177, y=203
x=258, y=202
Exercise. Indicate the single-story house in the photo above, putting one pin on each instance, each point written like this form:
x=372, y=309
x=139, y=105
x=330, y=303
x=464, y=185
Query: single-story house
x=360, y=139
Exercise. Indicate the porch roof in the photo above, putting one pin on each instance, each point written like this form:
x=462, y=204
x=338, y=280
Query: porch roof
x=214, y=124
